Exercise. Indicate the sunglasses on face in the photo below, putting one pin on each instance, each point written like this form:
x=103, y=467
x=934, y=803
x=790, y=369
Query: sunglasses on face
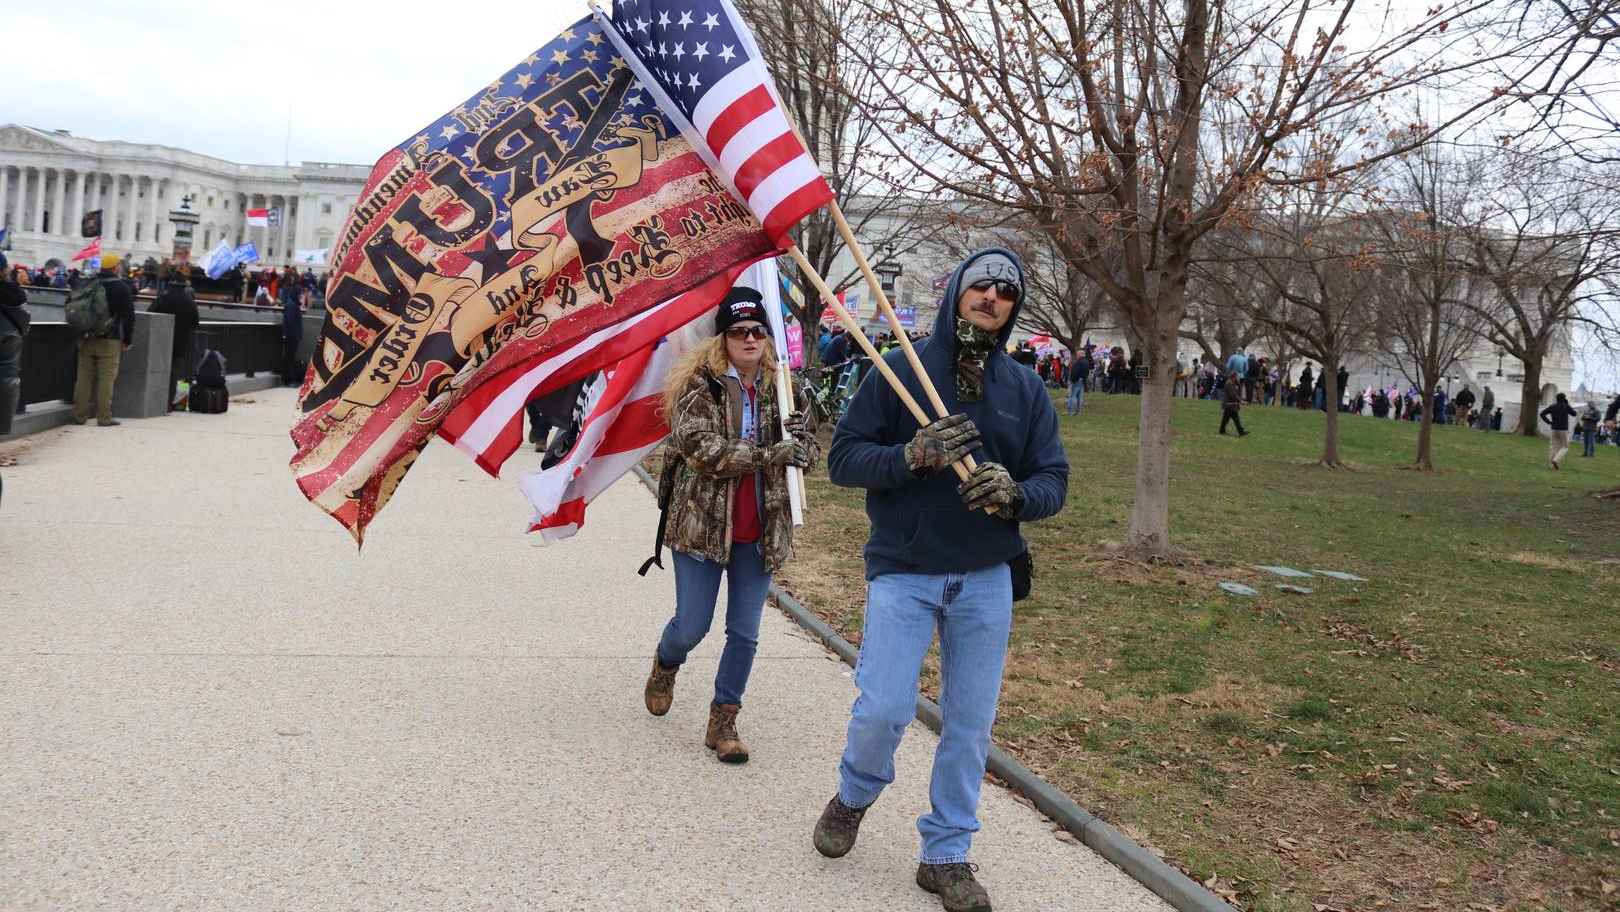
x=747, y=332
x=1003, y=289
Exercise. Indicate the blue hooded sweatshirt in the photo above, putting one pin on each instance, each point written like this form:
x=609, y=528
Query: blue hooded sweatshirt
x=920, y=525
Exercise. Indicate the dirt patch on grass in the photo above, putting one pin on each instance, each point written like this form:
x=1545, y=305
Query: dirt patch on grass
x=1534, y=559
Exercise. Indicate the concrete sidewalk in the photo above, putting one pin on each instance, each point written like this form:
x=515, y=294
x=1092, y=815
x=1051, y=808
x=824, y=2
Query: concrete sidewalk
x=210, y=700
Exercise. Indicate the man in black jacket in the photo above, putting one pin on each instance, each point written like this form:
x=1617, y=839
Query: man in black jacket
x=99, y=354
x=1231, y=401
x=179, y=300
x=1558, y=415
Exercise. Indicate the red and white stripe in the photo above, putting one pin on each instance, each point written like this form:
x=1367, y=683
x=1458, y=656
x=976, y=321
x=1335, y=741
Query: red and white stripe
x=258, y=218
x=752, y=143
x=622, y=425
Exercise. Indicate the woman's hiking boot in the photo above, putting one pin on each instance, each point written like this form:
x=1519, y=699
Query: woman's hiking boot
x=837, y=828
x=958, y=890
x=660, y=691
x=722, y=734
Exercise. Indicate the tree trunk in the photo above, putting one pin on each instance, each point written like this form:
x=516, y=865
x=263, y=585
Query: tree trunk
x=1330, y=436
x=1425, y=461
x=1150, y=513
x=1530, y=399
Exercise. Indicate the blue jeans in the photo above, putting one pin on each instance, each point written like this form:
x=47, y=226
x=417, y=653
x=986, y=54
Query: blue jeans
x=1075, y=400
x=972, y=612
x=1591, y=442
x=697, y=586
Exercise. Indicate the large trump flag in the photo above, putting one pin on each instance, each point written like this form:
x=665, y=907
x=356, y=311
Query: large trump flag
x=514, y=245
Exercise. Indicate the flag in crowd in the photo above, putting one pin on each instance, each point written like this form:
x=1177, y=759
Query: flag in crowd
x=247, y=253
x=701, y=63
x=91, y=250
x=518, y=243
x=3, y=233
x=218, y=260
x=90, y=224
x=263, y=218
x=314, y=257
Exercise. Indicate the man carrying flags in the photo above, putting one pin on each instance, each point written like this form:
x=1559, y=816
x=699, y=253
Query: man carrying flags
x=943, y=555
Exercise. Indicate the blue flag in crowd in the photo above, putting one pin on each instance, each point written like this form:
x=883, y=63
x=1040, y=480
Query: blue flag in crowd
x=247, y=253
x=217, y=261
x=3, y=233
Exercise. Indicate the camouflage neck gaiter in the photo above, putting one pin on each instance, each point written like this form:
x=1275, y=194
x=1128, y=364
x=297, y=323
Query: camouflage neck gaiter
x=974, y=345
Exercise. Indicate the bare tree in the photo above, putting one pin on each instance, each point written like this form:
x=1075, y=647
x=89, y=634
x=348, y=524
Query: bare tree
x=829, y=101
x=1313, y=257
x=1426, y=301
x=1546, y=236
x=1089, y=120
x=1581, y=50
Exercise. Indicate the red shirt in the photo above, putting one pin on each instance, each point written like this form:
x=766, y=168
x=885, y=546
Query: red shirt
x=745, y=509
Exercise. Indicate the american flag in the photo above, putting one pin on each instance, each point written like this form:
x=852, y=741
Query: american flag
x=700, y=62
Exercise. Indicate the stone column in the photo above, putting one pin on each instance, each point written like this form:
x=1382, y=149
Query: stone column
x=5, y=182
x=39, y=201
x=152, y=207
x=109, y=225
x=158, y=213
x=58, y=223
x=78, y=201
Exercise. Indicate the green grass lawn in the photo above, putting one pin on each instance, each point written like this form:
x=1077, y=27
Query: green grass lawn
x=1441, y=734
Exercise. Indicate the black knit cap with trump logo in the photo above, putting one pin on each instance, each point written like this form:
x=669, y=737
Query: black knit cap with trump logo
x=741, y=303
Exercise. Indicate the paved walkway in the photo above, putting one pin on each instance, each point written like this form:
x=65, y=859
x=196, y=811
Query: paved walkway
x=210, y=700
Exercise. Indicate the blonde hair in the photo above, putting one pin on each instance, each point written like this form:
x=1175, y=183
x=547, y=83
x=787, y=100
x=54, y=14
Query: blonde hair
x=711, y=356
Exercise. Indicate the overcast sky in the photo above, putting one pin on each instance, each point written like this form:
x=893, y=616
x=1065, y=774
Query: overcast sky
x=217, y=78
x=359, y=76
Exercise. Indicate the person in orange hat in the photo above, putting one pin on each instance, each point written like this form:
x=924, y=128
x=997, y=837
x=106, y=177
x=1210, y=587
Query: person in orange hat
x=102, y=345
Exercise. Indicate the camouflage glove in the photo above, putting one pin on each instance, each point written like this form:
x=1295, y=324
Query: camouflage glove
x=791, y=451
x=991, y=487
x=939, y=444
x=794, y=426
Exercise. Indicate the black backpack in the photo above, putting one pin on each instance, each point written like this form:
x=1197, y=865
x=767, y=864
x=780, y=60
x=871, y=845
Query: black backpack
x=210, y=372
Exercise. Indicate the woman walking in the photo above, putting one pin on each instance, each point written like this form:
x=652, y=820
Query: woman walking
x=724, y=468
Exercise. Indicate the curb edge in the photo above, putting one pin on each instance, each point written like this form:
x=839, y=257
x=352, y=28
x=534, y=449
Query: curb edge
x=1151, y=871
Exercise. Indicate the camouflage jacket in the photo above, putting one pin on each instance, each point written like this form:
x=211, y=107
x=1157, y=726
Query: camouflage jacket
x=708, y=435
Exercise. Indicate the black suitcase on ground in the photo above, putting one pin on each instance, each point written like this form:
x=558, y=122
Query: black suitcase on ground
x=209, y=400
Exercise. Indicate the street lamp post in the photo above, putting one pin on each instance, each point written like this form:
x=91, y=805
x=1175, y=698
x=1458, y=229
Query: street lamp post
x=1499, y=353
x=888, y=270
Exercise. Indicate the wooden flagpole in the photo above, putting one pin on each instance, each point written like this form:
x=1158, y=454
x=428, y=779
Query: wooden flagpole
x=854, y=329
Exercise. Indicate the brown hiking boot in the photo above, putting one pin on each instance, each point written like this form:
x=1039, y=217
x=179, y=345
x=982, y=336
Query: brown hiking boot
x=660, y=690
x=955, y=886
x=722, y=734
x=836, y=830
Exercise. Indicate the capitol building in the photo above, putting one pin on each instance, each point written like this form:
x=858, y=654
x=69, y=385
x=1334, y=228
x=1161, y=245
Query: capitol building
x=49, y=178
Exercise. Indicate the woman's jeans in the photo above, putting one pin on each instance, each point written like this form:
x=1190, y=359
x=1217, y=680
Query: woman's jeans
x=972, y=612
x=697, y=586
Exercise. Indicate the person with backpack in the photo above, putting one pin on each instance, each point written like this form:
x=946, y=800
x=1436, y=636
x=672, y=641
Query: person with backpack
x=101, y=310
x=178, y=300
x=725, y=496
